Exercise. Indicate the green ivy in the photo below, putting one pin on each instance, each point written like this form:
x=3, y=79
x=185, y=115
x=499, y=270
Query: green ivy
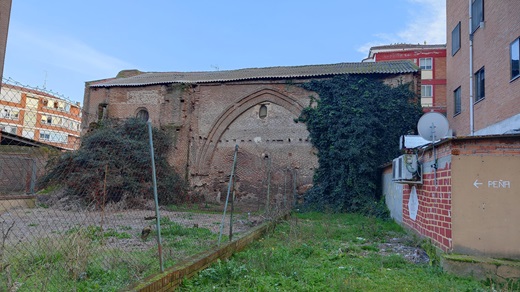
x=355, y=126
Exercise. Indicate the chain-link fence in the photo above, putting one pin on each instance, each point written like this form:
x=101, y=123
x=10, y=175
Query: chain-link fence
x=82, y=212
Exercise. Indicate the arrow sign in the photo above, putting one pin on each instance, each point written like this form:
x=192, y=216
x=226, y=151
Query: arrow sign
x=476, y=183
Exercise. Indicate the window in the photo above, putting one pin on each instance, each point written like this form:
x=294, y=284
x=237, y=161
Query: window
x=9, y=113
x=102, y=111
x=53, y=137
x=61, y=106
x=455, y=39
x=456, y=98
x=425, y=63
x=142, y=114
x=426, y=90
x=44, y=136
x=480, y=87
x=31, y=102
x=8, y=129
x=262, y=113
x=477, y=14
x=515, y=58
x=46, y=120
x=57, y=121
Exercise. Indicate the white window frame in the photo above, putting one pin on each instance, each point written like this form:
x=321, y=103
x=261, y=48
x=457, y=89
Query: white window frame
x=52, y=136
x=10, y=113
x=426, y=66
x=424, y=91
x=480, y=84
x=514, y=52
x=457, y=101
x=477, y=11
x=455, y=39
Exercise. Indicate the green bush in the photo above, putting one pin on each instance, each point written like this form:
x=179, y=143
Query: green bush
x=113, y=162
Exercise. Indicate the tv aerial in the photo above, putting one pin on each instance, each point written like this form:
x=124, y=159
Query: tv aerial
x=432, y=127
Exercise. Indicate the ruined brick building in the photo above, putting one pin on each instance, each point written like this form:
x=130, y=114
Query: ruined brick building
x=210, y=112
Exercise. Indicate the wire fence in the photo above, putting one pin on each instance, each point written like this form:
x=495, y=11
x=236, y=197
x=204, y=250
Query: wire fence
x=77, y=212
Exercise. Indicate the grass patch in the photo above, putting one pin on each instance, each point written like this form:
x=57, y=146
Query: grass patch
x=80, y=259
x=96, y=232
x=326, y=252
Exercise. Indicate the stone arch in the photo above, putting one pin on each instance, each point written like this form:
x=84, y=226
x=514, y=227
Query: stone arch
x=142, y=113
x=232, y=112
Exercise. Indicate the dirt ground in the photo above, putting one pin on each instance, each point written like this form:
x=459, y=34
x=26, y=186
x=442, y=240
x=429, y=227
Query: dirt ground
x=24, y=225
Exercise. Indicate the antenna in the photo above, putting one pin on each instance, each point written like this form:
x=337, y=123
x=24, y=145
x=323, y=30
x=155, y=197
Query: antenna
x=45, y=80
x=432, y=127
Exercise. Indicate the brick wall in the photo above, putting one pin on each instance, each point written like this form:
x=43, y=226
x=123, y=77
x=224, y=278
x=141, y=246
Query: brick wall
x=207, y=120
x=20, y=171
x=434, y=200
x=226, y=115
x=447, y=191
x=491, y=50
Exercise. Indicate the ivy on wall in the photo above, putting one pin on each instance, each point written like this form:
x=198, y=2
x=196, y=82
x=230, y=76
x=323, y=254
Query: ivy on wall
x=355, y=126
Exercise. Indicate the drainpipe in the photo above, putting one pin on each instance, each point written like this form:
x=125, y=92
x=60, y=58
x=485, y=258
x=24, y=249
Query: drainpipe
x=471, y=104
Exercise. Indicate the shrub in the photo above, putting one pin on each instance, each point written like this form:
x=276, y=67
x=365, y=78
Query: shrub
x=113, y=162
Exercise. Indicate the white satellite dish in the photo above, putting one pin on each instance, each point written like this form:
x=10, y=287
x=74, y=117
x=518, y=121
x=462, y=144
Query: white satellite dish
x=433, y=126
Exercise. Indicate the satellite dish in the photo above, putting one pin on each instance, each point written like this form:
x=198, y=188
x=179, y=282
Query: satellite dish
x=433, y=126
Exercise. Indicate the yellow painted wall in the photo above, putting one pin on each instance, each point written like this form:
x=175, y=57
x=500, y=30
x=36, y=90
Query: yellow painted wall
x=486, y=205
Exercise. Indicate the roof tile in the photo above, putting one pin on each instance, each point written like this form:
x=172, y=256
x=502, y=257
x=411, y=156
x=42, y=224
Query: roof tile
x=308, y=71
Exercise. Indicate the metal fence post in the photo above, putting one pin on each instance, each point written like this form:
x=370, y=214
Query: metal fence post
x=33, y=177
x=156, y=197
x=268, y=185
x=295, y=197
x=231, y=178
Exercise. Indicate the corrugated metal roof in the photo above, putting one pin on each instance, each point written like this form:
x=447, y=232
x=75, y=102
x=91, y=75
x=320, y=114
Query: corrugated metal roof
x=409, y=46
x=309, y=71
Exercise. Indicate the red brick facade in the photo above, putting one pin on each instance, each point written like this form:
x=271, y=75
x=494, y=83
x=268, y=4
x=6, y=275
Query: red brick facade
x=209, y=119
x=434, y=77
x=498, y=112
x=434, y=196
x=40, y=116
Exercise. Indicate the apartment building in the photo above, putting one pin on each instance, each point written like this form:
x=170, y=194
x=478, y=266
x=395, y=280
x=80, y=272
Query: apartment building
x=40, y=116
x=432, y=61
x=483, y=44
x=5, y=13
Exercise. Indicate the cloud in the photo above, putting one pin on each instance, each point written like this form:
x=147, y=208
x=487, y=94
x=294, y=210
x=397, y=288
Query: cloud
x=427, y=24
x=65, y=52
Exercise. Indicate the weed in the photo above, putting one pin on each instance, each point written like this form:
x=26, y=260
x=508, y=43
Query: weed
x=370, y=247
x=394, y=262
x=96, y=233
x=431, y=251
x=49, y=189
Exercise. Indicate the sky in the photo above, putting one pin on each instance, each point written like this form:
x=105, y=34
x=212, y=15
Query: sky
x=60, y=45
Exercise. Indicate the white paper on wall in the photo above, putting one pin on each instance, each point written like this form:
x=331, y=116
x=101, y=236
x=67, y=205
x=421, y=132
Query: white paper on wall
x=413, y=204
